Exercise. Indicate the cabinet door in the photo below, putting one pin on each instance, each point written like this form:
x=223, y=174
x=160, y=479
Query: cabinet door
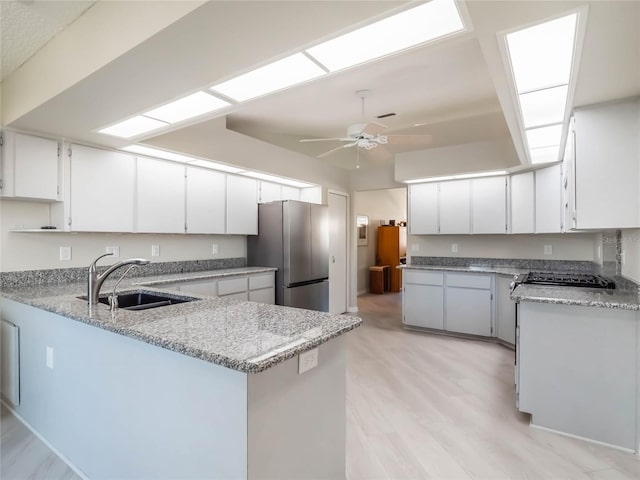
x=102, y=190
x=522, y=203
x=10, y=351
x=270, y=192
x=549, y=200
x=290, y=193
x=264, y=295
x=505, y=310
x=455, y=207
x=195, y=287
x=423, y=306
x=160, y=196
x=423, y=208
x=607, y=166
x=468, y=311
x=206, y=201
x=489, y=205
x=242, y=205
x=35, y=167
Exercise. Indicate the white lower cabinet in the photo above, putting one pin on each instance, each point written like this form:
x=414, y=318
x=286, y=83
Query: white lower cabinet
x=258, y=287
x=451, y=301
x=505, y=310
x=10, y=352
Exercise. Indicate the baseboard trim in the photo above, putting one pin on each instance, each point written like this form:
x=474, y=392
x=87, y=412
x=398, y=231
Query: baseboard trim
x=62, y=457
x=578, y=437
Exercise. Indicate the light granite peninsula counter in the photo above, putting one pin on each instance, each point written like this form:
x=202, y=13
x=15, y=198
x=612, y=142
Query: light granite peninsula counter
x=204, y=389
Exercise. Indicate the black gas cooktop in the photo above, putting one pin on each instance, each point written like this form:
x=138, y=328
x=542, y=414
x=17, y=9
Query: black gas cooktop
x=568, y=280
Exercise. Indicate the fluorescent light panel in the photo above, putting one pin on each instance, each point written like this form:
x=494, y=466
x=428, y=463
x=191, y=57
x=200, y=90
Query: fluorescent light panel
x=275, y=179
x=284, y=73
x=543, y=107
x=544, y=137
x=406, y=29
x=544, y=155
x=458, y=177
x=190, y=106
x=216, y=166
x=541, y=56
x=154, y=152
x=133, y=126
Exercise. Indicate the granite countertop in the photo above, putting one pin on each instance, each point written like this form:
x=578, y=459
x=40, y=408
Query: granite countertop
x=246, y=336
x=587, y=297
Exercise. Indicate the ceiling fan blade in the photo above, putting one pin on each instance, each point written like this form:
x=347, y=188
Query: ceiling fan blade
x=336, y=149
x=306, y=140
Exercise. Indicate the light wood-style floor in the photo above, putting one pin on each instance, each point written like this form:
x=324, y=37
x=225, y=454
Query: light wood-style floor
x=419, y=406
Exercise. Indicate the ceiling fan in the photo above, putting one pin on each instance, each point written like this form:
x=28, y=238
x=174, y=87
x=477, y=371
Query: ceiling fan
x=367, y=135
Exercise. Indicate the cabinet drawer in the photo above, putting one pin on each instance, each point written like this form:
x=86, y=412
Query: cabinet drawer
x=260, y=281
x=423, y=278
x=232, y=285
x=237, y=296
x=469, y=281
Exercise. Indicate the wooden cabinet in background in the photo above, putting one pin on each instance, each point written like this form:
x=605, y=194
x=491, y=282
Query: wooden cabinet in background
x=392, y=245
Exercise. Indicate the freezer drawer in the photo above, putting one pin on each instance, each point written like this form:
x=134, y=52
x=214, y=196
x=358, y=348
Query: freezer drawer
x=312, y=296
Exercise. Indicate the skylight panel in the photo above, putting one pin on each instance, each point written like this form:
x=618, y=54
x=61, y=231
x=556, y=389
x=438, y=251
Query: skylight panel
x=190, y=106
x=406, y=29
x=133, y=126
x=544, y=155
x=543, y=107
x=544, y=137
x=281, y=74
x=541, y=56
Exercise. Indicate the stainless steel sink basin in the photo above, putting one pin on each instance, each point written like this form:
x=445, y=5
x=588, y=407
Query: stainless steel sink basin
x=142, y=300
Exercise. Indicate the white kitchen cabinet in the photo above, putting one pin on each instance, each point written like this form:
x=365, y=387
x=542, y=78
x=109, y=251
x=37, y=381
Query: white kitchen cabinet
x=607, y=165
x=423, y=209
x=242, y=205
x=102, y=190
x=423, y=299
x=489, y=205
x=548, y=200
x=468, y=304
x=262, y=288
x=269, y=192
x=207, y=287
x=206, y=201
x=522, y=203
x=30, y=167
x=455, y=207
x=160, y=198
x=10, y=352
x=290, y=193
x=505, y=310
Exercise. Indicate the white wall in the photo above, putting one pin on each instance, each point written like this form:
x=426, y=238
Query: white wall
x=33, y=251
x=631, y=252
x=388, y=204
x=570, y=246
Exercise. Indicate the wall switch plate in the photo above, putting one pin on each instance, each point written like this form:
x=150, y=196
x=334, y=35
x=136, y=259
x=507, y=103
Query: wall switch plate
x=115, y=251
x=155, y=250
x=307, y=360
x=65, y=253
x=548, y=249
x=215, y=249
x=49, y=357
x=454, y=248
x=415, y=247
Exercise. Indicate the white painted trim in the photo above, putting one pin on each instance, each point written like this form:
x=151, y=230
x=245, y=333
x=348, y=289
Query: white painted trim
x=69, y=463
x=349, y=239
x=352, y=309
x=578, y=437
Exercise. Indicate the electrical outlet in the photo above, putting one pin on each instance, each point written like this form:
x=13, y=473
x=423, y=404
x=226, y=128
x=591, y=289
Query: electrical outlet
x=155, y=250
x=454, y=248
x=415, y=247
x=65, y=253
x=307, y=360
x=548, y=249
x=49, y=357
x=115, y=251
x=215, y=249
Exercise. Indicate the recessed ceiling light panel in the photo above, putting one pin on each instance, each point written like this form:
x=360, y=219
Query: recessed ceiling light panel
x=276, y=179
x=133, y=126
x=281, y=74
x=406, y=29
x=544, y=137
x=216, y=166
x=157, y=153
x=190, y=106
x=544, y=155
x=543, y=107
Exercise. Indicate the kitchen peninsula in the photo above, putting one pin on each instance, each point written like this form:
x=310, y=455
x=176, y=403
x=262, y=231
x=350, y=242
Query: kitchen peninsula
x=205, y=389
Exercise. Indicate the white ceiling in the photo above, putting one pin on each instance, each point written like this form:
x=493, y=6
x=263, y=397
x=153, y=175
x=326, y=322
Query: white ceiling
x=457, y=87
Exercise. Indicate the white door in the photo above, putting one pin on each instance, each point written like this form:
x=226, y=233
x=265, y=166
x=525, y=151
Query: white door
x=337, y=253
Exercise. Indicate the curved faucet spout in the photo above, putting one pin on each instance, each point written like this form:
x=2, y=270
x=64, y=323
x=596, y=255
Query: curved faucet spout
x=95, y=281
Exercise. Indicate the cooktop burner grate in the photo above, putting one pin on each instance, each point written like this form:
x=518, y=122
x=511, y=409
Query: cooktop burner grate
x=568, y=280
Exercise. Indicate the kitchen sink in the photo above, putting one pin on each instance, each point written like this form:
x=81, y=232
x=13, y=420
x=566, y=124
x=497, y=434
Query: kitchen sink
x=142, y=300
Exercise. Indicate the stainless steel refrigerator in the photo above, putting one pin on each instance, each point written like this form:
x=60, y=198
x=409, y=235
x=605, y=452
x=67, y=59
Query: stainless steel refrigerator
x=294, y=237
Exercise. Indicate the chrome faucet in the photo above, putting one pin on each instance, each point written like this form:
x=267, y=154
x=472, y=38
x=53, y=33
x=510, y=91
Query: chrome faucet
x=95, y=281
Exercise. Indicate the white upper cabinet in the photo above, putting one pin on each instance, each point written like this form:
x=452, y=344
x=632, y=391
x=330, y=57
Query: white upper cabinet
x=489, y=205
x=242, y=205
x=607, y=166
x=290, y=193
x=269, y=192
x=30, y=167
x=206, y=201
x=160, y=196
x=548, y=204
x=454, y=207
x=423, y=209
x=102, y=190
x=522, y=203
